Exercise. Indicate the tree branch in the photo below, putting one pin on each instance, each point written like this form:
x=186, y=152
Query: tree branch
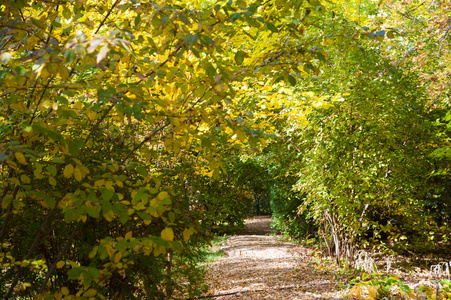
x=107, y=15
x=146, y=139
x=96, y=126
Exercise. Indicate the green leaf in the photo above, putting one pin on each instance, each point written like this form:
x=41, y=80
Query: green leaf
x=3, y=156
x=291, y=80
x=320, y=55
x=52, y=170
x=124, y=217
x=107, y=194
x=210, y=70
x=93, y=212
x=171, y=217
x=67, y=14
x=80, y=51
x=234, y=17
x=191, y=39
x=143, y=215
x=272, y=27
x=74, y=273
x=308, y=67
x=241, y=3
x=50, y=201
x=70, y=56
x=106, y=207
x=137, y=19
x=239, y=57
x=72, y=214
x=73, y=147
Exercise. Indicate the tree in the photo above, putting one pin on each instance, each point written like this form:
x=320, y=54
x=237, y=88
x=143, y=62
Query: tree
x=108, y=109
x=364, y=134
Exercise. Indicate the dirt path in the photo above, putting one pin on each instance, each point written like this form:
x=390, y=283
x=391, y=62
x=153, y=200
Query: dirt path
x=257, y=264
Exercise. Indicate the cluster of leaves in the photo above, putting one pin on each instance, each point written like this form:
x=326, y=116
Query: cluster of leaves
x=122, y=121
x=114, y=115
x=368, y=143
x=378, y=286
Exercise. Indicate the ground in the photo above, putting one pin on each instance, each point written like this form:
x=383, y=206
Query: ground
x=259, y=264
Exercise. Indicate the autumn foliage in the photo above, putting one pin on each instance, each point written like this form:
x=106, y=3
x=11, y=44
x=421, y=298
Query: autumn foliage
x=124, y=126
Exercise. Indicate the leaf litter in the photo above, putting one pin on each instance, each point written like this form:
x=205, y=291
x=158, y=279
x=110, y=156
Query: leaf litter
x=259, y=264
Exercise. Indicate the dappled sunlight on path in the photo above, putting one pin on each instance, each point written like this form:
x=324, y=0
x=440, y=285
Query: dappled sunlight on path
x=259, y=266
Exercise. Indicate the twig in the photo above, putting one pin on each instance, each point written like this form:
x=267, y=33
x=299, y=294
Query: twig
x=441, y=43
x=106, y=17
x=146, y=139
x=60, y=255
x=96, y=126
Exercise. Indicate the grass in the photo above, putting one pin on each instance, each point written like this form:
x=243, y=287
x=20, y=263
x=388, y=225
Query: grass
x=213, y=252
x=211, y=256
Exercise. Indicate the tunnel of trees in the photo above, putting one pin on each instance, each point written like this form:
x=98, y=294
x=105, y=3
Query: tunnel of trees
x=131, y=131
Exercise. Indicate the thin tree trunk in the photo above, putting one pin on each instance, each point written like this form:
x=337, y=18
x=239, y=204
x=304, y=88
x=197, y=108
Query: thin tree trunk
x=169, y=283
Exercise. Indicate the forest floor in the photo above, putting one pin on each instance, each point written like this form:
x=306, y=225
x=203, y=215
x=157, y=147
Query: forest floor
x=258, y=263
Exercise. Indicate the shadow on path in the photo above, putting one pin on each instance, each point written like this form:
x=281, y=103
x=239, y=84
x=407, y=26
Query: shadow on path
x=258, y=264
x=258, y=225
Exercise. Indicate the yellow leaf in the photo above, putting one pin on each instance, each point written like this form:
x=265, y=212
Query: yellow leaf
x=25, y=179
x=110, y=250
x=64, y=291
x=159, y=250
x=52, y=181
x=372, y=291
x=11, y=164
x=186, y=234
x=355, y=291
x=73, y=264
x=117, y=257
x=25, y=263
x=77, y=174
x=163, y=195
x=128, y=235
x=167, y=234
x=26, y=284
x=240, y=134
x=68, y=171
x=330, y=41
x=90, y=293
x=20, y=158
x=14, y=180
x=60, y=264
